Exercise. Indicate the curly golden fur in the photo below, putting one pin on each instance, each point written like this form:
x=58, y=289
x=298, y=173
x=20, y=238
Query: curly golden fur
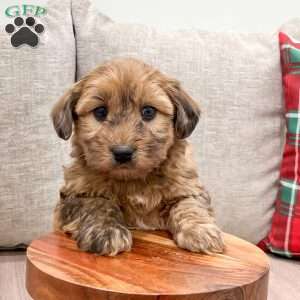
x=157, y=187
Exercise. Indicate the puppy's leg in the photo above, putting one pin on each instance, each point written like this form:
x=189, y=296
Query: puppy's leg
x=193, y=227
x=97, y=224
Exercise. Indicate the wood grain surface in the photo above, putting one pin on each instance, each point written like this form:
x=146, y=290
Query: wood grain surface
x=155, y=269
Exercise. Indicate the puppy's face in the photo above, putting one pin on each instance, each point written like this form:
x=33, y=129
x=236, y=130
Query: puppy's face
x=126, y=116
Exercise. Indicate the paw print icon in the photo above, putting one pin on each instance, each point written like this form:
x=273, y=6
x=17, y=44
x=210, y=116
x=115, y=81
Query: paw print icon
x=24, y=32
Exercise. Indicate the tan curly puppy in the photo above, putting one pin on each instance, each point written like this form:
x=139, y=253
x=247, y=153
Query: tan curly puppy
x=131, y=163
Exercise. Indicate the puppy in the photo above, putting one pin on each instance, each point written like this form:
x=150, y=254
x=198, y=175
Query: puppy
x=131, y=166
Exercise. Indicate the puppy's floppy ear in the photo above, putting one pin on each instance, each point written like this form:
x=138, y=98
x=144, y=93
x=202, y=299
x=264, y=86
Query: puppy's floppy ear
x=187, y=111
x=63, y=111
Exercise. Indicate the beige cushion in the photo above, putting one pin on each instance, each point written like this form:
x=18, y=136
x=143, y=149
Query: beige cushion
x=237, y=80
x=31, y=80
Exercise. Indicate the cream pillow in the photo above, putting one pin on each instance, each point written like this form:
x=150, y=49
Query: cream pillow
x=237, y=80
x=37, y=65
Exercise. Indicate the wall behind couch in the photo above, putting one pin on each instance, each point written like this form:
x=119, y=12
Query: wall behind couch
x=241, y=15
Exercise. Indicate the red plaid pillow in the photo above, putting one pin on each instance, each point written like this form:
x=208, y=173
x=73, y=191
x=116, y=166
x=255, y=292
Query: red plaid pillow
x=284, y=237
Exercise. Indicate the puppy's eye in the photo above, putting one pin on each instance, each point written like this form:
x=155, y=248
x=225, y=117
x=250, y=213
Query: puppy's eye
x=100, y=113
x=148, y=113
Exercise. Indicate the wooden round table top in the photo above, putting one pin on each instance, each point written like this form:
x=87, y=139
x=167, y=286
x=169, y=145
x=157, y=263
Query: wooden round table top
x=155, y=269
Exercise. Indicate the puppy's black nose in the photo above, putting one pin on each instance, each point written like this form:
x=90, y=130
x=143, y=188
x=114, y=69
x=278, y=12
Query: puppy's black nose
x=122, y=153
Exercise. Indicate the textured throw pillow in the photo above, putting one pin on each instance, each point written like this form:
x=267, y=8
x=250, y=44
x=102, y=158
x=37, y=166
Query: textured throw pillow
x=284, y=237
x=237, y=80
x=37, y=64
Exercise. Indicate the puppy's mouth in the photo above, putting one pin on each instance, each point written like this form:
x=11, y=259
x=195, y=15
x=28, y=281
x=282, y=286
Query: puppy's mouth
x=124, y=166
x=125, y=171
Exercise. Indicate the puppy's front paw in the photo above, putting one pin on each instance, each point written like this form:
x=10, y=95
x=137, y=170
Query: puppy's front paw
x=105, y=241
x=205, y=238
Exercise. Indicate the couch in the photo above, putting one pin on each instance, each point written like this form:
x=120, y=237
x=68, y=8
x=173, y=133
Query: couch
x=231, y=74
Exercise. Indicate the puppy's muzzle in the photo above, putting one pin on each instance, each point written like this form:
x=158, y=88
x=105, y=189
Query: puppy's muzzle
x=122, y=153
